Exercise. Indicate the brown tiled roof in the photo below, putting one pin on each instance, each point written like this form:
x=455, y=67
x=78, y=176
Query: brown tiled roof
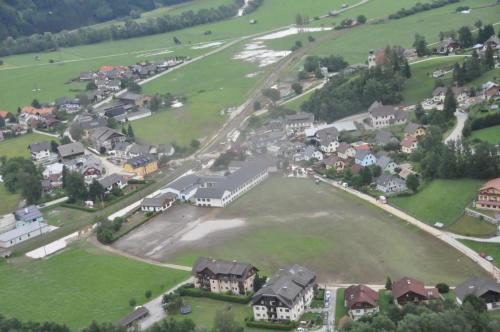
x=360, y=294
x=495, y=183
x=406, y=285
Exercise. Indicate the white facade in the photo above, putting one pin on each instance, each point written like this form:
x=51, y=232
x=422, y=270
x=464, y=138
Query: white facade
x=358, y=313
x=368, y=160
x=23, y=233
x=274, y=311
x=331, y=147
x=225, y=285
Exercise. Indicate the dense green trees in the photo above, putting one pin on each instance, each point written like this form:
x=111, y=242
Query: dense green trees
x=465, y=37
x=75, y=188
x=22, y=176
x=420, y=7
x=333, y=63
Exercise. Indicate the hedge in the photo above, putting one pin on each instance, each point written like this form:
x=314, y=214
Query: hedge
x=119, y=234
x=78, y=207
x=272, y=326
x=196, y=292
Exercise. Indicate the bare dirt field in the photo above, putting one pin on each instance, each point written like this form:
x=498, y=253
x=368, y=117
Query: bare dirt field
x=285, y=221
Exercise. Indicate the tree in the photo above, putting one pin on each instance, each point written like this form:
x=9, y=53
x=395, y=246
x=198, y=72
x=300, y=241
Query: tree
x=419, y=112
x=388, y=283
x=297, y=88
x=361, y=19
x=406, y=69
x=76, y=131
x=155, y=103
x=465, y=37
x=443, y=288
x=31, y=188
x=450, y=103
x=112, y=123
x=478, y=24
x=412, y=182
x=53, y=146
x=272, y=94
x=134, y=87
x=476, y=302
x=130, y=131
x=195, y=144
x=177, y=41
x=148, y=294
x=420, y=45
x=2, y=122
x=36, y=104
x=489, y=59
x=75, y=187
x=299, y=21
x=90, y=86
x=96, y=191
x=366, y=175
x=132, y=302
x=256, y=105
x=224, y=322
x=311, y=39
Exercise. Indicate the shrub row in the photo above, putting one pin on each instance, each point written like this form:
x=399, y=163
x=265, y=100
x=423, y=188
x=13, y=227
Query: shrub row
x=78, y=207
x=196, y=292
x=119, y=234
x=272, y=326
x=420, y=7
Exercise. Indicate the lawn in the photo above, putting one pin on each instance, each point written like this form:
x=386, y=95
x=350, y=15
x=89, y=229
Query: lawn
x=9, y=201
x=18, y=146
x=490, y=135
x=470, y=226
x=340, y=309
x=490, y=249
x=298, y=221
x=79, y=285
x=384, y=300
x=440, y=201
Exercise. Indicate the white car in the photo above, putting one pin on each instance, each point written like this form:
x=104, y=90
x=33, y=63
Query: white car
x=327, y=294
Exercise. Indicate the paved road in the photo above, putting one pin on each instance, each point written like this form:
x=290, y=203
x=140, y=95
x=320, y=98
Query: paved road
x=495, y=239
x=456, y=134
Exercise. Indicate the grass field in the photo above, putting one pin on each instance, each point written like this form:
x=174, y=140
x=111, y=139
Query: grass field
x=9, y=201
x=18, y=146
x=490, y=249
x=470, y=226
x=491, y=134
x=79, y=285
x=340, y=309
x=384, y=300
x=440, y=201
x=313, y=224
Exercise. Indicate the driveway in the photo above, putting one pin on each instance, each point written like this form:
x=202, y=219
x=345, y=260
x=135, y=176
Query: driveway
x=456, y=134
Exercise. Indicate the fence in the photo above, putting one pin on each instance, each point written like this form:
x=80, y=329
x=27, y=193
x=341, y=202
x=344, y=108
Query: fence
x=479, y=215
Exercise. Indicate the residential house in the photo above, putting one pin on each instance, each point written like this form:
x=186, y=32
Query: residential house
x=105, y=138
x=69, y=105
x=406, y=170
x=364, y=158
x=311, y=153
x=134, y=99
x=461, y=94
x=5, y=115
x=87, y=123
x=37, y=111
x=386, y=164
x=414, y=130
x=493, y=42
x=40, y=152
x=297, y=123
x=447, y=46
x=490, y=90
x=184, y=187
x=488, y=196
x=71, y=150
x=165, y=150
x=91, y=168
x=219, y=192
x=28, y=215
x=141, y=166
x=486, y=289
x=53, y=173
x=220, y=276
x=385, y=115
x=376, y=57
x=113, y=181
x=409, y=144
x=409, y=290
x=390, y=184
x=113, y=85
x=360, y=300
x=137, y=149
x=285, y=296
x=346, y=151
x=21, y=234
x=328, y=139
x=159, y=203
x=334, y=162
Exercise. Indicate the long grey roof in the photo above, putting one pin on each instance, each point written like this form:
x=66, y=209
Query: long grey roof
x=111, y=179
x=361, y=154
x=71, y=149
x=287, y=284
x=20, y=231
x=133, y=316
x=102, y=134
x=141, y=160
x=384, y=137
x=476, y=286
x=40, y=146
x=184, y=182
x=377, y=109
x=384, y=180
x=221, y=267
x=383, y=161
x=157, y=201
x=301, y=116
x=28, y=213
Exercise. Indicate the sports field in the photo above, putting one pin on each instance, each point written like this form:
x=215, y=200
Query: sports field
x=343, y=239
x=490, y=135
x=440, y=201
x=79, y=285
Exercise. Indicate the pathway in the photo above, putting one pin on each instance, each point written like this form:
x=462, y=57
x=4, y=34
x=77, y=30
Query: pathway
x=444, y=236
x=456, y=134
x=54, y=202
x=495, y=239
x=45, y=133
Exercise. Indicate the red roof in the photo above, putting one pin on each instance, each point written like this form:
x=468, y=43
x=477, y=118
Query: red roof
x=39, y=111
x=106, y=69
x=4, y=114
x=408, y=142
x=362, y=147
x=360, y=294
x=406, y=285
x=495, y=184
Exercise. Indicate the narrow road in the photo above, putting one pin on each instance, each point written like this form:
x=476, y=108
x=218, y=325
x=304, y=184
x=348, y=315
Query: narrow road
x=456, y=134
x=495, y=239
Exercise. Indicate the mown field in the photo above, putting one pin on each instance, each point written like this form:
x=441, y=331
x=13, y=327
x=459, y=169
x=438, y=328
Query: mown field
x=79, y=285
x=9, y=201
x=18, y=146
x=490, y=249
x=470, y=226
x=343, y=239
x=491, y=134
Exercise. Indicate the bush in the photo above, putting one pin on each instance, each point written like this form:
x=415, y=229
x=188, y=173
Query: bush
x=271, y=326
x=132, y=302
x=196, y=292
x=147, y=294
x=443, y=288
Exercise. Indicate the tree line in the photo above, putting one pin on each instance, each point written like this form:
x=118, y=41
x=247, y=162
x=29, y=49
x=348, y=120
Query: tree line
x=420, y=7
x=130, y=29
x=345, y=95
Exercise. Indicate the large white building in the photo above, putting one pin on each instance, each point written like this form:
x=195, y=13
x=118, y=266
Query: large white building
x=285, y=296
x=221, y=191
x=23, y=233
x=385, y=115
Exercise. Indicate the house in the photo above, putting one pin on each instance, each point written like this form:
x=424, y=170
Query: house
x=23, y=233
x=364, y=158
x=113, y=85
x=91, y=168
x=165, y=150
x=134, y=317
x=86, y=76
x=460, y=93
x=385, y=115
x=37, y=111
x=447, y=46
x=138, y=149
x=376, y=57
x=285, y=296
x=5, y=115
x=158, y=203
x=493, y=42
x=311, y=153
x=184, y=187
x=488, y=196
x=386, y=164
x=409, y=144
x=221, y=191
x=406, y=170
x=134, y=99
x=486, y=289
x=328, y=139
x=345, y=151
x=414, y=130
x=390, y=184
x=141, y=166
x=113, y=181
x=360, y=300
x=490, y=90
x=40, y=152
x=297, y=123
x=409, y=290
x=28, y=215
x=71, y=150
x=105, y=138
x=220, y=276
x=69, y=105
x=334, y=162
x=87, y=123
x=53, y=173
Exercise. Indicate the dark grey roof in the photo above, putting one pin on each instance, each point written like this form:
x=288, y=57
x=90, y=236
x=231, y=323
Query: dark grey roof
x=222, y=267
x=287, y=284
x=299, y=117
x=384, y=180
x=89, y=122
x=28, y=213
x=158, y=201
x=383, y=161
x=141, y=160
x=138, y=313
x=139, y=148
x=476, y=286
x=130, y=96
x=377, y=109
x=71, y=149
x=184, y=182
x=361, y=154
x=411, y=128
x=40, y=146
x=384, y=137
x=102, y=134
x=111, y=180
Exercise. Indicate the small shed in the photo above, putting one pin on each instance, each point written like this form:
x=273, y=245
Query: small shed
x=132, y=318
